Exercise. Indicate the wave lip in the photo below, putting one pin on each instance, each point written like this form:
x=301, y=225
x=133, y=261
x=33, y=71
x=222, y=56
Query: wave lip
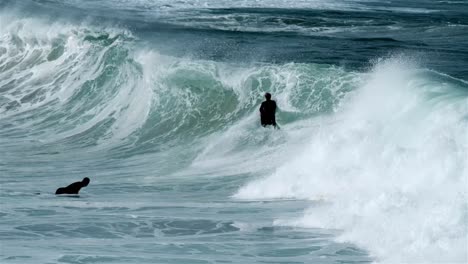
x=69, y=82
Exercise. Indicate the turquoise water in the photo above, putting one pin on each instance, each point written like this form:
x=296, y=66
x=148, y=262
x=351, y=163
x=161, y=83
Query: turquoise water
x=157, y=103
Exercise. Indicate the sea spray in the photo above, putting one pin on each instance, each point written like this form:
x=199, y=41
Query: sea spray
x=390, y=168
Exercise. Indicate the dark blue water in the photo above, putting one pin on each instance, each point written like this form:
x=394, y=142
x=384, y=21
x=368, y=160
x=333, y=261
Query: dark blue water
x=346, y=33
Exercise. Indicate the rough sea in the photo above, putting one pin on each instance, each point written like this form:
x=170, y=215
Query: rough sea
x=156, y=101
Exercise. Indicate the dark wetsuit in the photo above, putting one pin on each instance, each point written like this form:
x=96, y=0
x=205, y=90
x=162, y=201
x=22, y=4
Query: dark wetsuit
x=73, y=188
x=267, y=113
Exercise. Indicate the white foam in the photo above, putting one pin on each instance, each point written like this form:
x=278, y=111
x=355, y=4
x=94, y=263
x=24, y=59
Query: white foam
x=393, y=165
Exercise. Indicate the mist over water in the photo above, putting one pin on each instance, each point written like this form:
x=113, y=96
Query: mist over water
x=157, y=103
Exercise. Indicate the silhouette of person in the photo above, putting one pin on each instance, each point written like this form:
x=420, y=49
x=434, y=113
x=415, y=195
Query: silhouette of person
x=73, y=188
x=267, y=112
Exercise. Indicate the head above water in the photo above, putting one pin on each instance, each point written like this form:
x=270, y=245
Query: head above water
x=268, y=96
x=85, y=181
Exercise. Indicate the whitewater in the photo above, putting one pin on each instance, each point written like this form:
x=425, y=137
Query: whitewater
x=157, y=103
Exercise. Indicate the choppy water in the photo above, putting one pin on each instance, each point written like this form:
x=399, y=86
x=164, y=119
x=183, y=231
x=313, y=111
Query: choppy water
x=157, y=102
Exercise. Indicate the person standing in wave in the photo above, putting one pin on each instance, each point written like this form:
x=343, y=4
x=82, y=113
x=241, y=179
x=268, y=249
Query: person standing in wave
x=267, y=112
x=73, y=188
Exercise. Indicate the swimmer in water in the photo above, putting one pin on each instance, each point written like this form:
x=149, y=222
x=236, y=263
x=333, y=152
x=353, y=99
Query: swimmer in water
x=73, y=188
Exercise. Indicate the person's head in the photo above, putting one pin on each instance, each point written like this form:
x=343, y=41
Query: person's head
x=85, y=181
x=268, y=96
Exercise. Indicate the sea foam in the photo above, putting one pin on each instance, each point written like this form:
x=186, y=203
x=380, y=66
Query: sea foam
x=390, y=166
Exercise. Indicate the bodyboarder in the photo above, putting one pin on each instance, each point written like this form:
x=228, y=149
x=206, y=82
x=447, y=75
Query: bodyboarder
x=268, y=111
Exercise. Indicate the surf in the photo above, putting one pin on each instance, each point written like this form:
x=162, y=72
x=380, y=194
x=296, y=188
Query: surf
x=390, y=165
x=379, y=153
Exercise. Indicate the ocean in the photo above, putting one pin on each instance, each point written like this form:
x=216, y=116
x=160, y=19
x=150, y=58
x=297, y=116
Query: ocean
x=157, y=102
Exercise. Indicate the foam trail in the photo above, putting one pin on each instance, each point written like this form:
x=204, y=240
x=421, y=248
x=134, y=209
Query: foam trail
x=391, y=166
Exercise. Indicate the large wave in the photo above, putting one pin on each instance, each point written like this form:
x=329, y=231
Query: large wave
x=384, y=151
x=69, y=81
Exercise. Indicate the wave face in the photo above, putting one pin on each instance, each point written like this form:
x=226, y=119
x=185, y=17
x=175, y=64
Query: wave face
x=158, y=104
